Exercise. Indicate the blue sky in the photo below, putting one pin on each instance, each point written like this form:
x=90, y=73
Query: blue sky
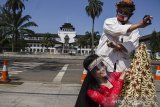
x=52, y=14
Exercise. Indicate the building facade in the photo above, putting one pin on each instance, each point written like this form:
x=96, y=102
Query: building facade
x=65, y=42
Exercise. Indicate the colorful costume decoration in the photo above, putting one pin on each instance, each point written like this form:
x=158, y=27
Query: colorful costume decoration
x=139, y=88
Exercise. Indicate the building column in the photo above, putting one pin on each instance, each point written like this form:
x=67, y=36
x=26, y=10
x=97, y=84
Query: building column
x=53, y=51
x=81, y=51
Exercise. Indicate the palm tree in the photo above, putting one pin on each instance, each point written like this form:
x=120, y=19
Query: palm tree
x=94, y=9
x=48, y=41
x=15, y=25
x=4, y=42
x=14, y=5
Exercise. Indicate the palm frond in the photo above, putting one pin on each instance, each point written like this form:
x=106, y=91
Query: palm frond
x=23, y=20
x=15, y=5
x=27, y=31
x=29, y=24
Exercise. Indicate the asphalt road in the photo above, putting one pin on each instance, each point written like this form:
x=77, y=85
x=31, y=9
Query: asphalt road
x=43, y=70
x=46, y=69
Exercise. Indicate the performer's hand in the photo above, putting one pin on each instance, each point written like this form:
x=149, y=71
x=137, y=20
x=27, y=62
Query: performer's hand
x=127, y=70
x=117, y=47
x=112, y=44
x=147, y=20
x=122, y=76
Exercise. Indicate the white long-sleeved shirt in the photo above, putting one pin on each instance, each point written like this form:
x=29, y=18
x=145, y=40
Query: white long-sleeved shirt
x=115, y=31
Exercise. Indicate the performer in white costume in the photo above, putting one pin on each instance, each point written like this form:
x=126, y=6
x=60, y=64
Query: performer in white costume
x=120, y=37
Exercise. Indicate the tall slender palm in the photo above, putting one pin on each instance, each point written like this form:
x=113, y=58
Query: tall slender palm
x=15, y=25
x=15, y=5
x=94, y=9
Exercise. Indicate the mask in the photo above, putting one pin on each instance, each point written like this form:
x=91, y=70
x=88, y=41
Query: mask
x=121, y=17
x=98, y=63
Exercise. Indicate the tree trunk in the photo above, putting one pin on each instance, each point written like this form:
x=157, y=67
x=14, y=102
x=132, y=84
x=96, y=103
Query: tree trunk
x=92, y=48
x=13, y=43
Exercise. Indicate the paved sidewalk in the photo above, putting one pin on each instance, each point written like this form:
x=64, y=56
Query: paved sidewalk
x=157, y=83
x=38, y=95
x=35, y=94
x=59, y=56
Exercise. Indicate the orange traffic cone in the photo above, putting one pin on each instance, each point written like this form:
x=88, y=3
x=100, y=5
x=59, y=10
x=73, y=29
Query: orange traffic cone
x=4, y=77
x=157, y=76
x=84, y=73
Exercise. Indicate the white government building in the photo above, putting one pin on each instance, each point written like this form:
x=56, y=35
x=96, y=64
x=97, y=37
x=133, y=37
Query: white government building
x=65, y=42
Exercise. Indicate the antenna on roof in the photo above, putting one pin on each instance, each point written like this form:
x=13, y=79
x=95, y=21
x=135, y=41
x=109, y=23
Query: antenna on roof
x=67, y=19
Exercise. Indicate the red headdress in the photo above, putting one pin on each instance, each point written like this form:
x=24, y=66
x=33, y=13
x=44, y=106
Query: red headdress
x=126, y=6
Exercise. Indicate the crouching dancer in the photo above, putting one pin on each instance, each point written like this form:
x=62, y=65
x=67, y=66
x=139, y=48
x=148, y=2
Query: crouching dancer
x=100, y=87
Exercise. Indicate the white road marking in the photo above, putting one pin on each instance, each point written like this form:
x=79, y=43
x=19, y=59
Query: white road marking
x=14, y=68
x=14, y=72
x=75, y=69
x=59, y=76
x=26, y=65
x=10, y=73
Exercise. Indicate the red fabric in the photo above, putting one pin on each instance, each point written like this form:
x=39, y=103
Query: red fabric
x=107, y=97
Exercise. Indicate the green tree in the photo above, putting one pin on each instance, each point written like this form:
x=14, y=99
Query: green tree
x=48, y=41
x=4, y=42
x=93, y=9
x=86, y=40
x=97, y=37
x=15, y=25
x=155, y=42
x=15, y=5
x=82, y=41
